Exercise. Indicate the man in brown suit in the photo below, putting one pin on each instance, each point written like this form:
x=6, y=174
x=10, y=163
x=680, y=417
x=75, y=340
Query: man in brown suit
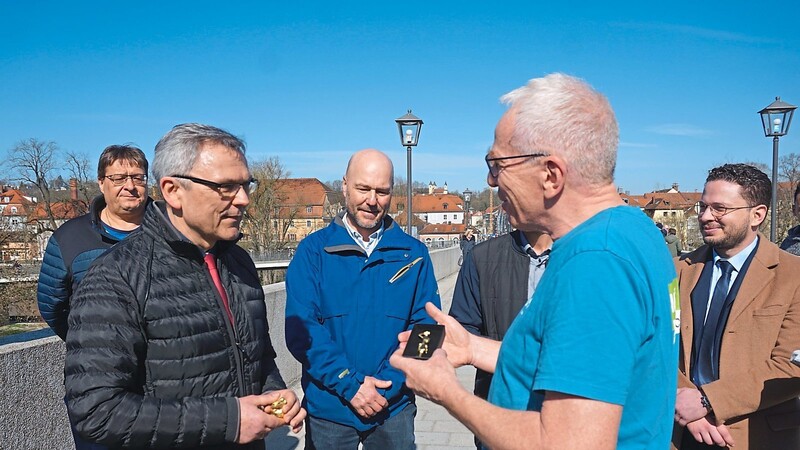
x=740, y=323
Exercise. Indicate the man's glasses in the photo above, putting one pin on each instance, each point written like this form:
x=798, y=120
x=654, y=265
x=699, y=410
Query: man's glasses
x=495, y=169
x=718, y=211
x=226, y=190
x=119, y=179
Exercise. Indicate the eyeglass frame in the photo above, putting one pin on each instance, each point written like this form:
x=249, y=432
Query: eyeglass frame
x=702, y=206
x=220, y=187
x=496, y=173
x=122, y=181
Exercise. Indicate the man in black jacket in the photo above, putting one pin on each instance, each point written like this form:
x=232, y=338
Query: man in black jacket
x=169, y=343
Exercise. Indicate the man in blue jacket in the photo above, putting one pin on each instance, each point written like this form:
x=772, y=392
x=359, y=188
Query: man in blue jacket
x=351, y=288
x=122, y=176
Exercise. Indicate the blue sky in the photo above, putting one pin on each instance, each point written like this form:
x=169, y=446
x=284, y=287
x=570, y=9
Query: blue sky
x=311, y=82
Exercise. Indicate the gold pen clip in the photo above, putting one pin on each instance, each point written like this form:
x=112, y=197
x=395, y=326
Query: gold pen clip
x=404, y=269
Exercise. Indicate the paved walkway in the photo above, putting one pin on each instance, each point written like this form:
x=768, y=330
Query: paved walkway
x=435, y=428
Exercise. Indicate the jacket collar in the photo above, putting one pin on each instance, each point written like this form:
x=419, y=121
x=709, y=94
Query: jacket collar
x=340, y=240
x=157, y=224
x=96, y=207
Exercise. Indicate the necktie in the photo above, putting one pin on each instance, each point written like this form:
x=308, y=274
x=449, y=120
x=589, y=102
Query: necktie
x=211, y=263
x=708, y=353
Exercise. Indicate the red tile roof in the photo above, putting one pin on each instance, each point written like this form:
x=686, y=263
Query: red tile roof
x=441, y=228
x=428, y=203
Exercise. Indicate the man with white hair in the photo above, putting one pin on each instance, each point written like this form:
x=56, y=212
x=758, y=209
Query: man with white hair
x=588, y=361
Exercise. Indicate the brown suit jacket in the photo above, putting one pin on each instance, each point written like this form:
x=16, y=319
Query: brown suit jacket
x=756, y=394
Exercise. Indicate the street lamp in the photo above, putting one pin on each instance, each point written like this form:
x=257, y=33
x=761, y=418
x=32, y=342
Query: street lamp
x=776, y=119
x=467, y=198
x=409, y=127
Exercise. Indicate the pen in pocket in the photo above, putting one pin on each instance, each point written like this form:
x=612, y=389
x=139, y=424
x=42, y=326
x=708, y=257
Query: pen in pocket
x=404, y=269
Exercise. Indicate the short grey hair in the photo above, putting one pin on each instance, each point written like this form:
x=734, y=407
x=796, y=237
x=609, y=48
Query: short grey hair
x=177, y=151
x=565, y=116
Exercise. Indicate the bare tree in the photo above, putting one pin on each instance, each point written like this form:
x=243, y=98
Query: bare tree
x=33, y=161
x=81, y=170
x=267, y=219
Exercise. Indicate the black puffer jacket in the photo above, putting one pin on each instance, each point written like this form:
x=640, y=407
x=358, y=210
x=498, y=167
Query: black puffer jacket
x=152, y=360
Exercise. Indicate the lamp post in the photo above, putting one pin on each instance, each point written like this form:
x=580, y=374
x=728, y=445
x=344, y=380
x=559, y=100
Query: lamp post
x=409, y=126
x=776, y=119
x=467, y=198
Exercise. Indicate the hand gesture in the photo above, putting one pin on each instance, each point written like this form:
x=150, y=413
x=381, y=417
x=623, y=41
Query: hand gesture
x=433, y=378
x=254, y=423
x=688, y=406
x=368, y=401
x=707, y=431
x=286, y=406
x=456, y=344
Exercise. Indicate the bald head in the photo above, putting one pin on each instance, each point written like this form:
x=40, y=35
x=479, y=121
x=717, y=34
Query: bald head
x=367, y=188
x=371, y=160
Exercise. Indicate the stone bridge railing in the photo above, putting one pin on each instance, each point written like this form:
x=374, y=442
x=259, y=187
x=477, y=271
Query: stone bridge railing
x=32, y=411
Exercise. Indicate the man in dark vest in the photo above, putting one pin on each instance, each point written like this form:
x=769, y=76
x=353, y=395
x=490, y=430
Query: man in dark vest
x=495, y=281
x=740, y=299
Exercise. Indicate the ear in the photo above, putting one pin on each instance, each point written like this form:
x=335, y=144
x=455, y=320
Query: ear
x=344, y=185
x=172, y=192
x=553, y=176
x=758, y=215
x=100, y=183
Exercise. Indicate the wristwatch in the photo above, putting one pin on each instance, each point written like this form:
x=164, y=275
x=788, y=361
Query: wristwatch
x=704, y=401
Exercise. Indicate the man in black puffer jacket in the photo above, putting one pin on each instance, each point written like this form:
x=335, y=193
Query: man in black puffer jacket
x=169, y=344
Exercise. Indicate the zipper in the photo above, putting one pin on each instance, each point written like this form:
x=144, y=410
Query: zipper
x=231, y=328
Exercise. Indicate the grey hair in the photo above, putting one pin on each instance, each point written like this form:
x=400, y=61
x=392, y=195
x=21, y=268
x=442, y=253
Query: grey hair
x=177, y=151
x=565, y=116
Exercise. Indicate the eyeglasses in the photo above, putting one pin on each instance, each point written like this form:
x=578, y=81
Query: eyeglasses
x=226, y=190
x=718, y=211
x=119, y=179
x=495, y=169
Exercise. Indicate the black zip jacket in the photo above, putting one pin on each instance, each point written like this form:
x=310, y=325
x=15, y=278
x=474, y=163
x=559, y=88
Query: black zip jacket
x=152, y=358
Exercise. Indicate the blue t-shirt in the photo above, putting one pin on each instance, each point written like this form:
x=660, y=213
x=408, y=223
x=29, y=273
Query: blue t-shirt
x=601, y=325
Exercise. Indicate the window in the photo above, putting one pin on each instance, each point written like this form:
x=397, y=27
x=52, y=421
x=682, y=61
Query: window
x=292, y=237
x=309, y=209
x=673, y=213
x=444, y=217
x=13, y=210
x=275, y=224
x=308, y=224
x=444, y=205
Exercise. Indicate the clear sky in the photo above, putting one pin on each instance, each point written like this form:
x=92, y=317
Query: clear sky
x=311, y=82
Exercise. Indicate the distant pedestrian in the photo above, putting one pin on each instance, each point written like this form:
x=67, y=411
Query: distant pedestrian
x=661, y=229
x=673, y=243
x=467, y=242
x=792, y=242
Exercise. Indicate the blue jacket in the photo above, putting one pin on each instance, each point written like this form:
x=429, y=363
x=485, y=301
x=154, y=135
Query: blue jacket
x=72, y=248
x=343, y=316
